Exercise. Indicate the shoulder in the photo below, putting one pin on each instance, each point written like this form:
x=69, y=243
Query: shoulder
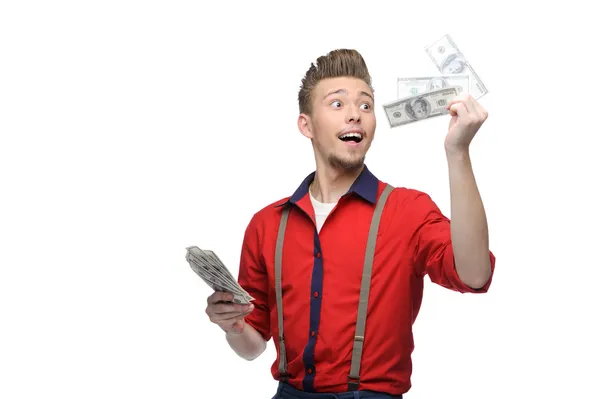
x=410, y=205
x=266, y=214
x=406, y=196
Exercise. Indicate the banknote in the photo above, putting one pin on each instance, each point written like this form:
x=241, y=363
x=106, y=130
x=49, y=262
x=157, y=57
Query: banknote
x=214, y=278
x=212, y=283
x=213, y=271
x=207, y=265
x=450, y=61
x=218, y=284
x=419, y=107
x=218, y=262
x=412, y=86
x=211, y=277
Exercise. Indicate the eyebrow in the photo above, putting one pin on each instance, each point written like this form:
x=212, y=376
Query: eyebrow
x=344, y=91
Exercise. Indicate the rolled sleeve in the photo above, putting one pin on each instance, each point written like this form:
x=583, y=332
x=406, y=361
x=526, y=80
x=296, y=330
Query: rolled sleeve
x=434, y=254
x=253, y=278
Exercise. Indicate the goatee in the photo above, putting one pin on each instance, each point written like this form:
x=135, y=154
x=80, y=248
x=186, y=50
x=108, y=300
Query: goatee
x=346, y=164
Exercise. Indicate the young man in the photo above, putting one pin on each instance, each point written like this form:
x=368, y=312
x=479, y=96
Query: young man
x=337, y=268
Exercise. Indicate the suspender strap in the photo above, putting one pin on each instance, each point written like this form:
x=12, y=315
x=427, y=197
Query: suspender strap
x=353, y=377
x=359, y=336
x=278, y=292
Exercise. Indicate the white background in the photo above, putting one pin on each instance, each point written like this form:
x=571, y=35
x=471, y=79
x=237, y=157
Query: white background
x=130, y=130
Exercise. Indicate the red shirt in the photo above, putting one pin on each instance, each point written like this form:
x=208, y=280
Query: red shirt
x=413, y=241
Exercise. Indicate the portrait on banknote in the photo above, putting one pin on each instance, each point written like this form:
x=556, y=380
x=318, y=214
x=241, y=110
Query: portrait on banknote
x=419, y=108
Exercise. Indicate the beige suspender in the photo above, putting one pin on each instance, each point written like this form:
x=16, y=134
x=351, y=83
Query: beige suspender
x=354, y=376
x=359, y=335
x=278, y=293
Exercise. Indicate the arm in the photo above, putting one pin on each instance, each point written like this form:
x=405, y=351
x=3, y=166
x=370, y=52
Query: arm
x=242, y=338
x=251, y=341
x=469, y=225
x=434, y=247
x=247, y=327
x=249, y=344
x=455, y=253
x=469, y=229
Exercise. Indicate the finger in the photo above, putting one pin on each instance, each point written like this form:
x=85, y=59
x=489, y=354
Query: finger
x=456, y=100
x=219, y=296
x=229, y=317
x=481, y=111
x=474, y=108
x=227, y=308
x=459, y=109
x=239, y=326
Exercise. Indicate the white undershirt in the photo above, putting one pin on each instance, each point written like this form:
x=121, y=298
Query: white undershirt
x=322, y=210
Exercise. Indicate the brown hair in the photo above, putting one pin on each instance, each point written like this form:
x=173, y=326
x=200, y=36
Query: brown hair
x=337, y=63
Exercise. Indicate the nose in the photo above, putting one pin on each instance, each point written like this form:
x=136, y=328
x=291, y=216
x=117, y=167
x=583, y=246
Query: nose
x=353, y=115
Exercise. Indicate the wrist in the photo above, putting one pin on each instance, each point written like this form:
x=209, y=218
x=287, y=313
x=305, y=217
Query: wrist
x=457, y=153
x=234, y=332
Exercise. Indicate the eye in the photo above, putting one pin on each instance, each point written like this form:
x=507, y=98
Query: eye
x=336, y=102
x=368, y=106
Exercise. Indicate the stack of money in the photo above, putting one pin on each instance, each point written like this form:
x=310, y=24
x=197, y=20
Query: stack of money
x=424, y=97
x=209, y=267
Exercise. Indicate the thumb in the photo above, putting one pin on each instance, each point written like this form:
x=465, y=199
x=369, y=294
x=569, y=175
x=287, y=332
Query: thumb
x=238, y=326
x=458, y=109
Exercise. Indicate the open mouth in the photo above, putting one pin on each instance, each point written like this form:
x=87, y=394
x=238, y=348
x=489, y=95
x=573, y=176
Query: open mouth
x=352, y=137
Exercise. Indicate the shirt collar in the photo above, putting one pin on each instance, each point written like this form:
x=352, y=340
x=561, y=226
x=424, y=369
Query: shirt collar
x=366, y=186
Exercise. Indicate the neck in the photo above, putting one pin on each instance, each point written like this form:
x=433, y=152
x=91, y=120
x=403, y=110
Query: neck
x=330, y=184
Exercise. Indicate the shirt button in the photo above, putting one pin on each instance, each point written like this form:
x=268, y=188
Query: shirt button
x=312, y=333
x=309, y=371
x=318, y=254
x=316, y=294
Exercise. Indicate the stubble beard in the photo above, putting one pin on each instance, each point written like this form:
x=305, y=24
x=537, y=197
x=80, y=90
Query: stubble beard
x=345, y=163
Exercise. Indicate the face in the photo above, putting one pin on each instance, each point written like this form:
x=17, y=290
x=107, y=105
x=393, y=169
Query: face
x=342, y=123
x=437, y=84
x=419, y=109
x=456, y=66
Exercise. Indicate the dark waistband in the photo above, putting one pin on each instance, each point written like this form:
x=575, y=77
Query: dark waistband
x=298, y=394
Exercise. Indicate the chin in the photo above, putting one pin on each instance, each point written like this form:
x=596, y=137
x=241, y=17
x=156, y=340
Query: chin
x=346, y=162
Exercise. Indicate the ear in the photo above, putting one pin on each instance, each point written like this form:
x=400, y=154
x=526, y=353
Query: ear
x=305, y=125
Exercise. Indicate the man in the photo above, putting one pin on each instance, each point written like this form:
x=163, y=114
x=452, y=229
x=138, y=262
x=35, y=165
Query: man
x=337, y=268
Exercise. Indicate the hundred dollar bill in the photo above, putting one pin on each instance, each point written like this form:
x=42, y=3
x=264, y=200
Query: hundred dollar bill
x=450, y=61
x=216, y=286
x=416, y=85
x=419, y=107
x=208, y=265
x=208, y=273
x=213, y=272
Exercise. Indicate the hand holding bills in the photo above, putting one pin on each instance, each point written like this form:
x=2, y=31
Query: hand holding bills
x=424, y=97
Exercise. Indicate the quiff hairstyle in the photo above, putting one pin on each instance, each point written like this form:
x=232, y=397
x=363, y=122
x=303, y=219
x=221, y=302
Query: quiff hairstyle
x=336, y=63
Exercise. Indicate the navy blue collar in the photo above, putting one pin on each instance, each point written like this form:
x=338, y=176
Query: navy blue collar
x=366, y=186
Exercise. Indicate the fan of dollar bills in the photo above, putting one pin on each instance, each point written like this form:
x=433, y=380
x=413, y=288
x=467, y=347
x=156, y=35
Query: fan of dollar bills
x=425, y=97
x=209, y=267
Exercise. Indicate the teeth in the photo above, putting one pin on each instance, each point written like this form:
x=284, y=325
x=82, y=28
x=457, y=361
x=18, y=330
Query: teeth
x=351, y=135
